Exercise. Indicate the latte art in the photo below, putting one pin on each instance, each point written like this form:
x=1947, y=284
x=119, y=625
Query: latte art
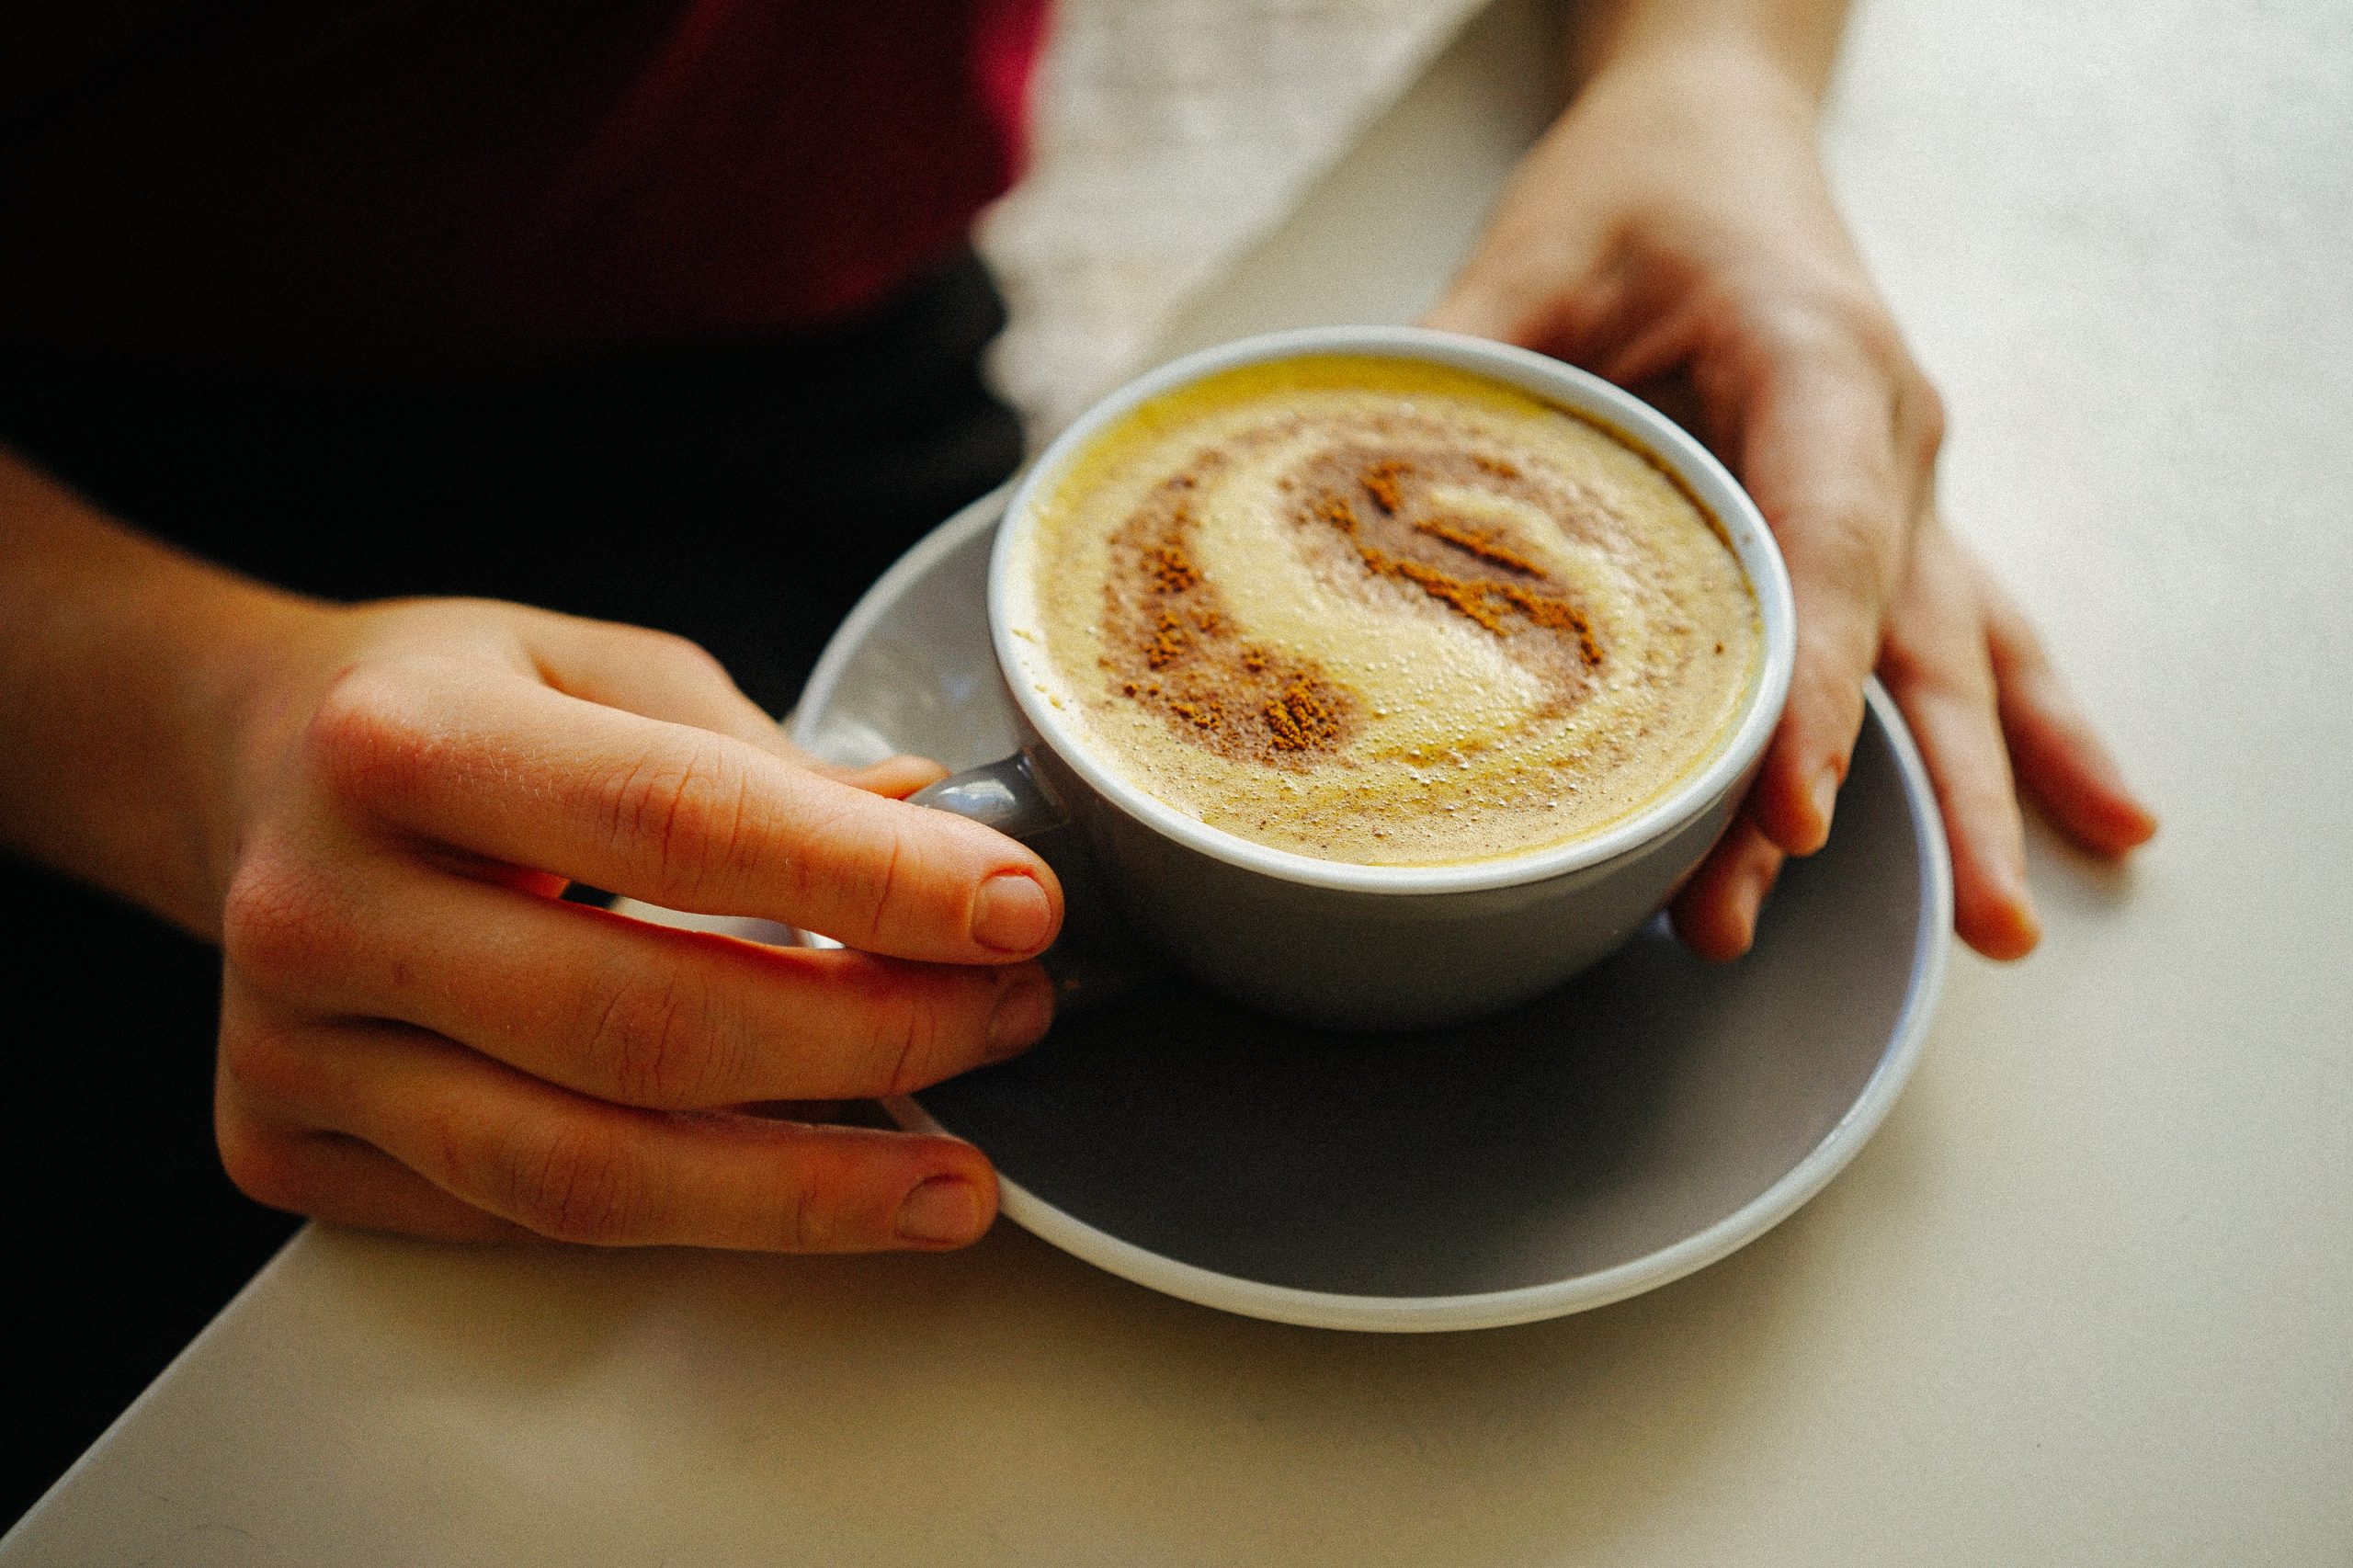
x=1381, y=611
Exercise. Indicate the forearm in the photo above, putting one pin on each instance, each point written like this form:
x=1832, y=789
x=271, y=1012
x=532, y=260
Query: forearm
x=1797, y=40
x=120, y=676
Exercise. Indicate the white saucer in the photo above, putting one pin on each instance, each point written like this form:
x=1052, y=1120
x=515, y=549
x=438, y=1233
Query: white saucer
x=1642, y=1121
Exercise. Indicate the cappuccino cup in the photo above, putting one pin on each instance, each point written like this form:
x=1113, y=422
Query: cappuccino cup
x=1377, y=678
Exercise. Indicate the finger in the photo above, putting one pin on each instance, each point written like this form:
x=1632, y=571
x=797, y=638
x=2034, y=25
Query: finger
x=2060, y=756
x=896, y=776
x=662, y=677
x=575, y=1169
x=626, y=1010
x=326, y=1175
x=649, y=672
x=1715, y=914
x=1824, y=449
x=1499, y=294
x=1532, y=279
x=476, y=758
x=1937, y=668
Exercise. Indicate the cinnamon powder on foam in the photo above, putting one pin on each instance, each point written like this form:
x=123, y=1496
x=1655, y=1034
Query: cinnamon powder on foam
x=1563, y=595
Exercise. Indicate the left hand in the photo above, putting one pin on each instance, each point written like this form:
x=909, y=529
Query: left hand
x=1674, y=233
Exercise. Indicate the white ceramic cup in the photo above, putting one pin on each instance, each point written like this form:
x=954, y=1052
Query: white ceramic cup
x=1348, y=946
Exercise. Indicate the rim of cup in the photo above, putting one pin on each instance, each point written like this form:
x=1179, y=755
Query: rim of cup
x=1621, y=413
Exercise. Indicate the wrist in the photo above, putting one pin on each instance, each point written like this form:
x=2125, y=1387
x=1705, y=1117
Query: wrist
x=1774, y=57
x=235, y=708
x=123, y=666
x=1699, y=79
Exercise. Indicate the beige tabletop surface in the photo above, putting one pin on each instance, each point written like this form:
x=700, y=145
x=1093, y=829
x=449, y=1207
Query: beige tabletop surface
x=2086, y=1298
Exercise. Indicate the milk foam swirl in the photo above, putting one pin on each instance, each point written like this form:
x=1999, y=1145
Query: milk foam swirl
x=1381, y=611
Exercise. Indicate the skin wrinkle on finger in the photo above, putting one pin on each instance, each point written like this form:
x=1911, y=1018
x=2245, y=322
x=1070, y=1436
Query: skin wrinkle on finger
x=571, y=1179
x=886, y=884
x=829, y=1196
x=765, y=1023
x=641, y=1013
x=858, y=881
x=688, y=806
x=438, y=1109
x=656, y=1043
x=281, y=1162
x=915, y=1043
x=802, y=1231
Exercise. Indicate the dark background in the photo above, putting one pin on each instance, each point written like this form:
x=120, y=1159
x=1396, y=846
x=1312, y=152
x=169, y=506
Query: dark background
x=742, y=494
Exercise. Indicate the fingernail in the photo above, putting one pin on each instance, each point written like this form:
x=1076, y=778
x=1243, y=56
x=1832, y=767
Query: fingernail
x=1826, y=795
x=1752, y=902
x=1020, y=1016
x=1012, y=914
x=2026, y=921
x=945, y=1208
x=2030, y=929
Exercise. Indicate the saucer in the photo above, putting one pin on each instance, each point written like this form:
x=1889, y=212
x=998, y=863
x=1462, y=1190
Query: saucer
x=1640, y=1122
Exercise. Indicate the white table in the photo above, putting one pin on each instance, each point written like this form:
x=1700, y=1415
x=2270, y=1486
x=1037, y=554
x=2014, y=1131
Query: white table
x=2087, y=1299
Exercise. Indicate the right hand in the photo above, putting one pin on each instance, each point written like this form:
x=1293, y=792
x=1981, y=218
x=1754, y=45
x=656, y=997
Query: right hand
x=418, y=1035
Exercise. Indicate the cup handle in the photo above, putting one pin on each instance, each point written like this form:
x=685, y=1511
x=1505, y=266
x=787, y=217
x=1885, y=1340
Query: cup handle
x=1004, y=794
x=1097, y=957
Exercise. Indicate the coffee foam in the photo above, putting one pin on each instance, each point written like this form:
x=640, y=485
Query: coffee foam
x=1381, y=611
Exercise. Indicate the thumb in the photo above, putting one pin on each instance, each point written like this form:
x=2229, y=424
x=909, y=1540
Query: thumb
x=657, y=675
x=1533, y=273
x=897, y=777
x=1471, y=308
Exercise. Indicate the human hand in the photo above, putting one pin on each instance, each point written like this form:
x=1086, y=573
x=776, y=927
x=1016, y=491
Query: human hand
x=1674, y=233
x=417, y=1034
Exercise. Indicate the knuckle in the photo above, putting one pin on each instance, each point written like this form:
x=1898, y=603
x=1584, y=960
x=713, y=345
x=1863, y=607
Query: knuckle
x=1841, y=323
x=883, y=883
x=1874, y=332
x=1832, y=320
x=651, y=1041
x=880, y=882
x=1926, y=680
x=683, y=654
x=268, y=1063
x=261, y=1165
x=364, y=739
x=690, y=812
x=907, y=1043
x=573, y=1181
x=822, y=1212
x=280, y=923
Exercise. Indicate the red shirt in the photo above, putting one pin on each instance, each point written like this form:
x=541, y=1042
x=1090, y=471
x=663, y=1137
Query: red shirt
x=486, y=184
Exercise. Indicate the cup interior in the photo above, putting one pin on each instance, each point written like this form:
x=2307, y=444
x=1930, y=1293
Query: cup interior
x=1020, y=654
